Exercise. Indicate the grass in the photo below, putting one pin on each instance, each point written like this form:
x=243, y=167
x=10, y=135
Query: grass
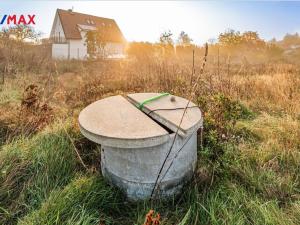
x=79, y=202
x=248, y=169
x=42, y=182
x=31, y=168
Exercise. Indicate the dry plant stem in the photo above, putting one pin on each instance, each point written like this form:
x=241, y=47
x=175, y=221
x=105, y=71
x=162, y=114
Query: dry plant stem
x=175, y=156
x=75, y=149
x=191, y=91
x=201, y=137
x=218, y=61
x=193, y=68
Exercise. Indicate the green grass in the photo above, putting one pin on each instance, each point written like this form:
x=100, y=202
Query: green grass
x=31, y=169
x=80, y=202
x=9, y=94
x=254, y=180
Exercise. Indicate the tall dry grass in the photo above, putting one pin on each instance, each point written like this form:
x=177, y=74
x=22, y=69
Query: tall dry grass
x=248, y=168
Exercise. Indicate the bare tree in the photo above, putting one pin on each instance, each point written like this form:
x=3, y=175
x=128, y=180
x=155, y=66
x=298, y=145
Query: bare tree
x=212, y=41
x=166, y=38
x=22, y=33
x=184, y=39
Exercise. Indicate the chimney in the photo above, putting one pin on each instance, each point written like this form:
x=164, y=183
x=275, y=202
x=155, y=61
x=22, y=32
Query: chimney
x=71, y=10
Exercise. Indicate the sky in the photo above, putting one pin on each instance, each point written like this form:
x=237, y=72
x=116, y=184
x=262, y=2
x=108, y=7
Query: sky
x=146, y=20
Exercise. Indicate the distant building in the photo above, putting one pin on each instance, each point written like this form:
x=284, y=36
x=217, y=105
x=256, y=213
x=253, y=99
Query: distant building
x=68, y=35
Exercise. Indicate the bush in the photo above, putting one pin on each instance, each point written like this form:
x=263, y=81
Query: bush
x=220, y=117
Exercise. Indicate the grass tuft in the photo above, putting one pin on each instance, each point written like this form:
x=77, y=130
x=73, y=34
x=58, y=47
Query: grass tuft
x=31, y=168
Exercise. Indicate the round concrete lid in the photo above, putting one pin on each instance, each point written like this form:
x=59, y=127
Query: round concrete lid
x=115, y=122
x=168, y=110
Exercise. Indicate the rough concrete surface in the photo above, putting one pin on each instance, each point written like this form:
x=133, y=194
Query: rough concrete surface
x=135, y=170
x=134, y=144
x=114, y=121
x=170, y=118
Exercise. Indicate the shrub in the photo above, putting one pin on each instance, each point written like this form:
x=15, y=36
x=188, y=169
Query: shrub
x=220, y=117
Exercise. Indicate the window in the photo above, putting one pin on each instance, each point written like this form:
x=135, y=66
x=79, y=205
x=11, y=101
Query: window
x=92, y=22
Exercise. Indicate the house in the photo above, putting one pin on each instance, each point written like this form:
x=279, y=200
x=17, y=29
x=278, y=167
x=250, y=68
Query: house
x=68, y=35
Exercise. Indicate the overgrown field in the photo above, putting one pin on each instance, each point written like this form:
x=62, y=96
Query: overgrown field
x=248, y=166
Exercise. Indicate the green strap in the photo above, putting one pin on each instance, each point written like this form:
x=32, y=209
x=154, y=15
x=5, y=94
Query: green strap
x=141, y=105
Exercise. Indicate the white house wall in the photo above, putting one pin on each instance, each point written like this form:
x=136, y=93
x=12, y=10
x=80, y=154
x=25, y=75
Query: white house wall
x=60, y=47
x=57, y=32
x=78, y=49
x=60, y=51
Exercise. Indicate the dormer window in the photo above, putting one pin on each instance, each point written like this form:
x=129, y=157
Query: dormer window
x=88, y=21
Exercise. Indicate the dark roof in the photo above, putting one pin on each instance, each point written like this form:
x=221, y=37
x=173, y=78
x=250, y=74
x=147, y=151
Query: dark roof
x=70, y=21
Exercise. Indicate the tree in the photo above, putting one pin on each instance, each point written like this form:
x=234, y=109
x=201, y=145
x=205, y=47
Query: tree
x=184, y=39
x=212, y=41
x=90, y=41
x=230, y=38
x=273, y=41
x=291, y=39
x=22, y=33
x=4, y=34
x=252, y=39
x=95, y=41
x=250, y=36
x=166, y=38
x=248, y=39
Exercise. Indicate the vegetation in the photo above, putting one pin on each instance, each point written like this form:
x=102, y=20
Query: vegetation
x=21, y=33
x=248, y=164
x=184, y=39
x=95, y=44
